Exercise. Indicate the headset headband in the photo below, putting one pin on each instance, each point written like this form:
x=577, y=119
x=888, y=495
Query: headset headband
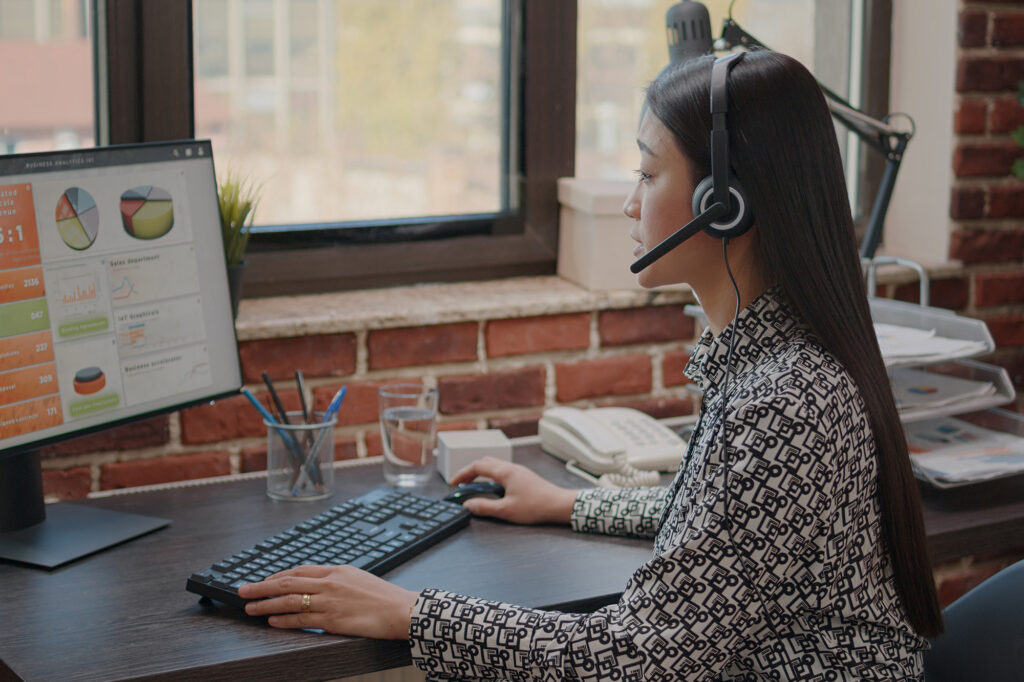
x=719, y=132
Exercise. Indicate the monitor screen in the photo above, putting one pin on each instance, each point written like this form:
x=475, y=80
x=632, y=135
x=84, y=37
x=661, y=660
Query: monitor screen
x=113, y=289
x=114, y=305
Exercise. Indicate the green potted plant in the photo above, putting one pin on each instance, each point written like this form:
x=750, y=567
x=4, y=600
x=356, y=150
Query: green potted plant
x=238, y=198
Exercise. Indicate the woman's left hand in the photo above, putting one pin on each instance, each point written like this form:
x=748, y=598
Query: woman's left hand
x=341, y=599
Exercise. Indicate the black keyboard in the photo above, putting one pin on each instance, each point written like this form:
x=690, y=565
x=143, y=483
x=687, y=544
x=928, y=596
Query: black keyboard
x=376, y=532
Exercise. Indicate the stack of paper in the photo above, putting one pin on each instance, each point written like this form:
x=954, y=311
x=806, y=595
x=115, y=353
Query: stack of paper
x=915, y=389
x=948, y=452
x=908, y=345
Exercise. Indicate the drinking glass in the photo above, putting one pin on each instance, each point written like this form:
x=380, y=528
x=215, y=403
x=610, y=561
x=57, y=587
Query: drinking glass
x=408, y=425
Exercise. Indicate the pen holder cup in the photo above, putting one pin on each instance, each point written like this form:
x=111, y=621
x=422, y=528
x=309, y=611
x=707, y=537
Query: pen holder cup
x=300, y=459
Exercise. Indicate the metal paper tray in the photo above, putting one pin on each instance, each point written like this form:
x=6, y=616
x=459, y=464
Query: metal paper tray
x=945, y=323
x=973, y=371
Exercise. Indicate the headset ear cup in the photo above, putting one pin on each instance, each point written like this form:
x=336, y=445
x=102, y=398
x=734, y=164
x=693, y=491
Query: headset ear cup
x=702, y=195
x=739, y=219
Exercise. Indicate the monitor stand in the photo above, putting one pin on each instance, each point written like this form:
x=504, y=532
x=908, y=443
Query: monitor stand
x=48, y=536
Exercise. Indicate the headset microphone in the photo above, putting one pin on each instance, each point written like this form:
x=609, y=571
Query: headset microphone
x=719, y=203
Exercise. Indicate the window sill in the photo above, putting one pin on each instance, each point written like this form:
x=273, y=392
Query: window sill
x=430, y=304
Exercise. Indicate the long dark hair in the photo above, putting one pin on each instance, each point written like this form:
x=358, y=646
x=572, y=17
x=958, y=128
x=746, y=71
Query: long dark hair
x=784, y=152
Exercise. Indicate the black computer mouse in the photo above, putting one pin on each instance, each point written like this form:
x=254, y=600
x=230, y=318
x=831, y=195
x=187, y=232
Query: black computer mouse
x=467, y=491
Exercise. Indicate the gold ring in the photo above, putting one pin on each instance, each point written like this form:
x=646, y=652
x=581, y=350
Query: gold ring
x=305, y=603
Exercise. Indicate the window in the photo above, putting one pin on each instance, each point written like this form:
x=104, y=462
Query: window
x=356, y=110
x=833, y=38
x=46, y=48
x=447, y=169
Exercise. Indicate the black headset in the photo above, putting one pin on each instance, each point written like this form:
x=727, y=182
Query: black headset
x=720, y=205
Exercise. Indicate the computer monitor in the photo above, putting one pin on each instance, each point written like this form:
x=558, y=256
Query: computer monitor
x=114, y=306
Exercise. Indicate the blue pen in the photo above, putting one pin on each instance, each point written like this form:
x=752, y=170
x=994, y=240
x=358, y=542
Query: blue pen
x=310, y=465
x=334, y=405
x=259, y=406
x=293, y=448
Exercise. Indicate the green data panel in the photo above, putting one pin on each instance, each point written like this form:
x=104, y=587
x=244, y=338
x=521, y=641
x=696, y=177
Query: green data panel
x=24, y=317
x=80, y=408
x=80, y=327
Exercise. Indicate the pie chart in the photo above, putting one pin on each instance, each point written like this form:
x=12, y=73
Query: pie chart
x=78, y=221
x=147, y=212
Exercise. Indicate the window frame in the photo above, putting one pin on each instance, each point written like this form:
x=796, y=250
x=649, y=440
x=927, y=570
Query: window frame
x=145, y=94
x=150, y=43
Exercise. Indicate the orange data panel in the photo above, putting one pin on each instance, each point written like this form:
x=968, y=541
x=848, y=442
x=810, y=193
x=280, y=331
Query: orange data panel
x=25, y=350
x=34, y=415
x=21, y=284
x=19, y=241
x=31, y=382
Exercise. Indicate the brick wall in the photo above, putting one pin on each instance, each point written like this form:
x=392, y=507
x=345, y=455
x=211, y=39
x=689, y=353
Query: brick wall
x=497, y=372
x=986, y=200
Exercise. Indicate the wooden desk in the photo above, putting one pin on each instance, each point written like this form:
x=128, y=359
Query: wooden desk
x=124, y=613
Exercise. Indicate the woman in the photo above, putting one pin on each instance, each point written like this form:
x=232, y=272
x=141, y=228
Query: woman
x=790, y=544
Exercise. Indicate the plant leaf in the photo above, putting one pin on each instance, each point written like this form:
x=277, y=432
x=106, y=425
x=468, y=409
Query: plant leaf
x=1018, y=168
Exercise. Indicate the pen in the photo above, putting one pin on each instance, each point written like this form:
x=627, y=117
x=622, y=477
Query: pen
x=311, y=466
x=300, y=381
x=290, y=443
x=277, y=400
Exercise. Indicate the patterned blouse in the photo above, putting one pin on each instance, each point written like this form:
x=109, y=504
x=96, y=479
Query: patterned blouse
x=785, y=577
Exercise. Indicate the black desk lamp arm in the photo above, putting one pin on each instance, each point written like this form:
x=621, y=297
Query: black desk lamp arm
x=878, y=135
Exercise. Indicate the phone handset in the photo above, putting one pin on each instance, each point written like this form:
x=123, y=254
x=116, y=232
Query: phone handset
x=595, y=441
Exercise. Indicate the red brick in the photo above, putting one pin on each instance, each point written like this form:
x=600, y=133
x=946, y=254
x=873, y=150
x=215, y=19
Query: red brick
x=970, y=117
x=493, y=391
x=660, y=408
x=672, y=366
x=458, y=425
x=320, y=355
x=520, y=336
x=412, y=346
x=515, y=427
x=977, y=159
x=999, y=287
x=1007, y=29
x=67, y=484
x=360, y=405
x=987, y=246
x=1006, y=331
x=623, y=375
x=252, y=459
x=164, y=469
x=1006, y=201
x=966, y=203
x=374, y=443
x=230, y=418
x=972, y=28
x=1006, y=116
x=989, y=74
x=644, y=325
x=140, y=434
x=942, y=293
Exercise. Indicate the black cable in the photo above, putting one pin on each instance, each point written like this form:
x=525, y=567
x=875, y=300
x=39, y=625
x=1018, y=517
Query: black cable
x=725, y=453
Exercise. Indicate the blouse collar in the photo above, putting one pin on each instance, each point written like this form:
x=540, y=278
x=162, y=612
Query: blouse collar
x=761, y=326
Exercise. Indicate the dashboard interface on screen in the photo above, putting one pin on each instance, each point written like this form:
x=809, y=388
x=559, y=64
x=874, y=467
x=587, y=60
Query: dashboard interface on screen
x=113, y=289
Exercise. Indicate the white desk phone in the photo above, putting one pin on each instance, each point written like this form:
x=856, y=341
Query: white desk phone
x=627, y=446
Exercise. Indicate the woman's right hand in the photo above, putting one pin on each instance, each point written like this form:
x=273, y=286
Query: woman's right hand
x=528, y=499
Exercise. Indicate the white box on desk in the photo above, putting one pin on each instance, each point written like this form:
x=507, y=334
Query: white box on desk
x=594, y=246
x=458, y=449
